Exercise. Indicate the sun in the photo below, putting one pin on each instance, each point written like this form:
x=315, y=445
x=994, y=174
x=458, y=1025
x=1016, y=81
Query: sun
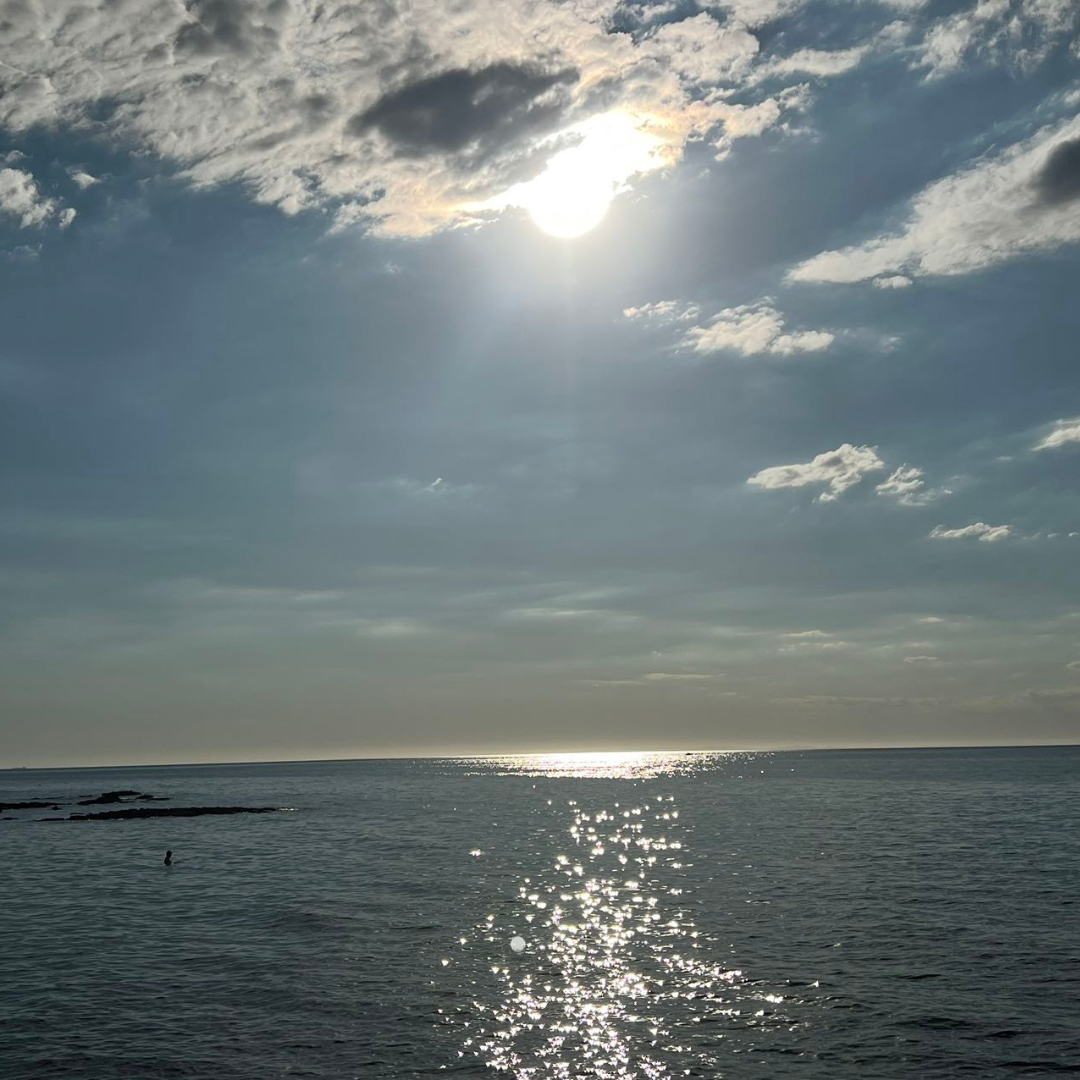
x=568, y=199
x=573, y=193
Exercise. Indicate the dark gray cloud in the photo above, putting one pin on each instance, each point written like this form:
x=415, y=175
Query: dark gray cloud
x=1059, y=179
x=227, y=26
x=469, y=110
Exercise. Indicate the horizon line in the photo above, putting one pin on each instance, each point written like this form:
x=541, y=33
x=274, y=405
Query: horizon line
x=538, y=754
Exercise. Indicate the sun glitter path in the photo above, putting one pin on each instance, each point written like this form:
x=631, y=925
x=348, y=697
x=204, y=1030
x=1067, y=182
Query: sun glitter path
x=613, y=975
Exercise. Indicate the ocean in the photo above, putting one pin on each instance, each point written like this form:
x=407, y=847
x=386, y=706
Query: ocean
x=825, y=914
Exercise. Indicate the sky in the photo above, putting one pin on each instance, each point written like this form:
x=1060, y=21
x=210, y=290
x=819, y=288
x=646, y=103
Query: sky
x=506, y=375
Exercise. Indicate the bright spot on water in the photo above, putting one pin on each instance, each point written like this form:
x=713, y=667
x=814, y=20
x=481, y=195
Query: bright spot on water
x=517, y=944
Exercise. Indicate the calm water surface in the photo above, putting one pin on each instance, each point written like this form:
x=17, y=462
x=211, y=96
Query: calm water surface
x=828, y=914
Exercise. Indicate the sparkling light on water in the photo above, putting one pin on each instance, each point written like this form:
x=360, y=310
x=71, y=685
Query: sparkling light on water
x=615, y=979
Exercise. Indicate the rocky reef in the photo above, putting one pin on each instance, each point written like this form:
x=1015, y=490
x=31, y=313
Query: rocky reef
x=139, y=812
x=124, y=797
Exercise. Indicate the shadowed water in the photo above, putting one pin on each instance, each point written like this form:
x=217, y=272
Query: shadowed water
x=827, y=914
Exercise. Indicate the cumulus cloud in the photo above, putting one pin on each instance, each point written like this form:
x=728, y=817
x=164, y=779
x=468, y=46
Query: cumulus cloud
x=20, y=198
x=754, y=328
x=82, y=179
x=978, y=531
x=907, y=486
x=838, y=470
x=404, y=120
x=892, y=281
x=1015, y=203
x=1061, y=433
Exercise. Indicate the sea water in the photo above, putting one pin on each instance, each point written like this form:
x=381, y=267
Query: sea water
x=907, y=913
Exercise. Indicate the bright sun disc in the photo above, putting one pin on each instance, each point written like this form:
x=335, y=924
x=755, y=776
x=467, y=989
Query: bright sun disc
x=573, y=193
x=566, y=202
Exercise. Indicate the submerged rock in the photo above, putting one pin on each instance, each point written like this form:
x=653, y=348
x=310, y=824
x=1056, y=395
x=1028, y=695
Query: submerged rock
x=34, y=804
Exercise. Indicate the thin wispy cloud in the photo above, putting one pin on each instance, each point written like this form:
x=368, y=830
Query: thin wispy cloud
x=1017, y=33
x=1061, y=433
x=1018, y=202
x=979, y=530
x=907, y=485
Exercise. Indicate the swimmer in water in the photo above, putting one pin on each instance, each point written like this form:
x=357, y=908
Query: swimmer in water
x=168, y=858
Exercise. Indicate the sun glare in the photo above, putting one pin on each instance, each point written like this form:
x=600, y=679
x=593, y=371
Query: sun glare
x=573, y=193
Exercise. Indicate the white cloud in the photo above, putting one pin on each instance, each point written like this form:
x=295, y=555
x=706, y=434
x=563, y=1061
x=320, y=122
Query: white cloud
x=759, y=12
x=668, y=676
x=1018, y=202
x=701, y=50
x=82, y=179
x=425, y=489
x=819, y=62
x=20, y=198
x=744, y=121
x=400, y=120
x=1073, y=665
x=803, y=646
x=663, y=311
x=892, y=281
x=390, y=628
x=907, y=486
x=921, y=660
x=808, y=634
x=754, y=328
x=979, y=530
x=21, y=253
x=1018, y=32
x=1062, y=432
x=837, y=469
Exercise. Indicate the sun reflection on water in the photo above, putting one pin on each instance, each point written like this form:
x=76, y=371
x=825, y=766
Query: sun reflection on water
x=613, y=979
x=613, y=765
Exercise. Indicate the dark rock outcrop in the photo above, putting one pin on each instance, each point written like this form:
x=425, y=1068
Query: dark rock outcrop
x=135, y=813
x=35, y=804
x=110, y=797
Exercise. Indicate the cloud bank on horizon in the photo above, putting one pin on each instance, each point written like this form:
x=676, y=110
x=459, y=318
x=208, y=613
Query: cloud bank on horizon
x=302, y=418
